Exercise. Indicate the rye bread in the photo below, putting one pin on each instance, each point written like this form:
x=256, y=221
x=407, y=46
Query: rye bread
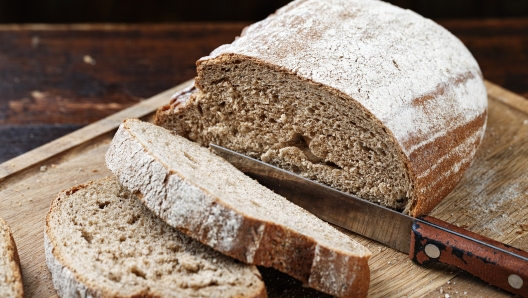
x=204, y=196
x=10, y=273
x=100, y=241
x=360, y=95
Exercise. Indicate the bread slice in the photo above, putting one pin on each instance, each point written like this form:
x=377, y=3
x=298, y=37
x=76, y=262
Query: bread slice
x=100, y=241
x=207, y=198
x=10, y=274
x=360, y=95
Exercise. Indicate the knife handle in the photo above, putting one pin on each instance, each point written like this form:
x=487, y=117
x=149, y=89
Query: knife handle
x=433, y=240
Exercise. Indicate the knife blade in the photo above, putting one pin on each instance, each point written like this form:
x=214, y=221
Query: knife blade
x=425, y=239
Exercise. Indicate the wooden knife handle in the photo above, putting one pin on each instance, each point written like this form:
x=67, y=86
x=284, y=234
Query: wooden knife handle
x=433, y=240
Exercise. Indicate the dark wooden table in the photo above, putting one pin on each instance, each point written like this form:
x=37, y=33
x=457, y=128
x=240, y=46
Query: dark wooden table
x=56, y=79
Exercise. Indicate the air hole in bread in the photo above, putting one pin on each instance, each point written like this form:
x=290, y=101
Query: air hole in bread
x=87, y=236
x=114, y=277
x=133, y=219
x=137, y=272
x=333, y=165
x=103, y=205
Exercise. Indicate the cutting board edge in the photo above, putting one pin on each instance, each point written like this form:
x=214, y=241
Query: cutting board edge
x=92, y=131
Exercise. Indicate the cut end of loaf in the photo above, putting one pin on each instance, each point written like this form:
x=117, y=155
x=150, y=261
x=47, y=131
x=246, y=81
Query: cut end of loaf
x=251, y=107
x=10, y=273
x=101, y=241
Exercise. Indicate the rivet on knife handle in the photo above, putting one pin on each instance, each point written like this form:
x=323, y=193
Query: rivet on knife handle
x=506, y=267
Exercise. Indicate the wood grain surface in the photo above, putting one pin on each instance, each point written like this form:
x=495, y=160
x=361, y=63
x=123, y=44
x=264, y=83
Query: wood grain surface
x=491, y=200
x=57, y=79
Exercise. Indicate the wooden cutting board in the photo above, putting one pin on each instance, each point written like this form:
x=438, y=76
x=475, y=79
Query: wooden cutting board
x=491, y=200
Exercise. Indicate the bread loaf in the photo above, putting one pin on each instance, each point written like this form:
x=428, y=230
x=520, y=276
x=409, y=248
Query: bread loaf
x=10, y=274
x=100, y=241
x=207, y=198
x=360, y=95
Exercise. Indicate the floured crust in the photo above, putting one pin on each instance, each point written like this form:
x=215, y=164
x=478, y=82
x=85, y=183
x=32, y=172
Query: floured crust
x=14, y=276
x=69, y=280
x=201, y=214
x=64, y=280
x=412, y=76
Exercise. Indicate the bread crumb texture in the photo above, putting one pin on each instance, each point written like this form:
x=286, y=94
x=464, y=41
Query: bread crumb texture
x=102, y=242
x=10, y=276
x=361, y=95
x=203, y=195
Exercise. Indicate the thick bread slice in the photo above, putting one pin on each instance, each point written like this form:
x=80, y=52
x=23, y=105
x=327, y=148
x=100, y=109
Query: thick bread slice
x=10, y=274
x=207, y=198
x=357, y=94
x=100, y=241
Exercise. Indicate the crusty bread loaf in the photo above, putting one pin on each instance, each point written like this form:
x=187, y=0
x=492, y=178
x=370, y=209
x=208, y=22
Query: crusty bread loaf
x=207, y=198
x=10, y=275
x=100, y=241
x=361, y=95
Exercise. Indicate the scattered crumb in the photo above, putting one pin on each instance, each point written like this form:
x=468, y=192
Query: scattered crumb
x=43, y=168
x=89, y=60
x=53, y=166
x=441, y=290
x=525, y=122
x=447, y=296
x=95, y=171
x=81, y=170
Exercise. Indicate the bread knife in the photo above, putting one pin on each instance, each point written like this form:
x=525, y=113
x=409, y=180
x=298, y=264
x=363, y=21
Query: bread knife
x=425, y=239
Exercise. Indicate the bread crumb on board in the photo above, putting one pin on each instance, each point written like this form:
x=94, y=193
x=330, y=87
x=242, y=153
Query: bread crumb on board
x=89, y=60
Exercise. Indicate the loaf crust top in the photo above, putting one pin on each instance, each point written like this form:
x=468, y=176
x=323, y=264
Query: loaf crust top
x=414, y=76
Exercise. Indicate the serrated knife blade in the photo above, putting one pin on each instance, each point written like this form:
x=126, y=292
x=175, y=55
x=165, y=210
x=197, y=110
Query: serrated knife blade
x=425, y=239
